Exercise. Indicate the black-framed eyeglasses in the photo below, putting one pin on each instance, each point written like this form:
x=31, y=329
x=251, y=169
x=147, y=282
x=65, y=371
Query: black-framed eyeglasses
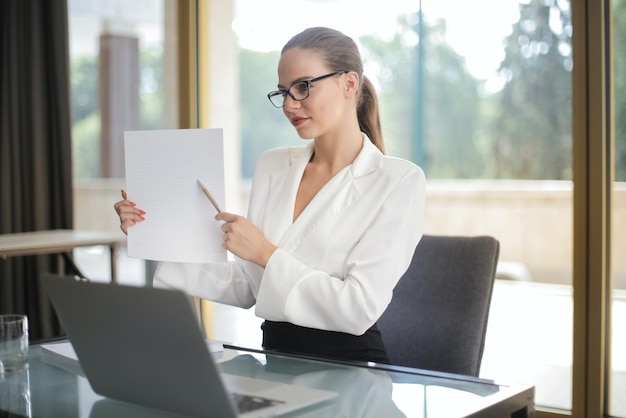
x=298, y=91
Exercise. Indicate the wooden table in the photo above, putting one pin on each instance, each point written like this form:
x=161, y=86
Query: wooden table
x=59, y=241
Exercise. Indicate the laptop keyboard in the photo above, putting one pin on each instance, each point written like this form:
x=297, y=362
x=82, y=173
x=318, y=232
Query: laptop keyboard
x=247, y=403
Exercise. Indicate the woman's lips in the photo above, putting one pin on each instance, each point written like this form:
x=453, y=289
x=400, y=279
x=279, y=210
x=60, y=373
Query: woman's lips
x=297, y=121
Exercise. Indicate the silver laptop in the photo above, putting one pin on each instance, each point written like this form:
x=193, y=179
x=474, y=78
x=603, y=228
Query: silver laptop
x=145, y=346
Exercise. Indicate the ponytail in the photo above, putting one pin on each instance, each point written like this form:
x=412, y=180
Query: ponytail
x=368, y=114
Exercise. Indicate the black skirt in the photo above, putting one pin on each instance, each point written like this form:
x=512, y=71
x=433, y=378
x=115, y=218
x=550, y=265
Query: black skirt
x=290, y=338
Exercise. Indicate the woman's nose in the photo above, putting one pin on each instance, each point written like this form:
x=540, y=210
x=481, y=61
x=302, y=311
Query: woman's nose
x=290, y=103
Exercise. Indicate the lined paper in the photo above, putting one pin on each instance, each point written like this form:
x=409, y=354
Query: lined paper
x=162, y=169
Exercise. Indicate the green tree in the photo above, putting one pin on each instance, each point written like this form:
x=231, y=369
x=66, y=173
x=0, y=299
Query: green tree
x=86, y=147
x=85, y=117
x=84, y=86
x=532, y=134
x=86, y=111
x=450, y=96
x=151, y=87
x=262, y=125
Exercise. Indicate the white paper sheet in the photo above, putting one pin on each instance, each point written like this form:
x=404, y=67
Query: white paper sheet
x=162, y=169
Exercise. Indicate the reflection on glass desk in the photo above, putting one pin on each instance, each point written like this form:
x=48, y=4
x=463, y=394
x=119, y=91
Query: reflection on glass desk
x=60, y=390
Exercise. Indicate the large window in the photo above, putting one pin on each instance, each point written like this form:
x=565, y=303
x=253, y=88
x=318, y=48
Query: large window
x=124, y=74
x=120, y=79
x=480, y=97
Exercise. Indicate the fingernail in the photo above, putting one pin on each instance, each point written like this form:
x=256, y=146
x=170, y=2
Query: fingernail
x=142, y=212
x=142, y=218
x=133, y=204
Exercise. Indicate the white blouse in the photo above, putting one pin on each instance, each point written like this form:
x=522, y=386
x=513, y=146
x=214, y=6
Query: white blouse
x=338, y=262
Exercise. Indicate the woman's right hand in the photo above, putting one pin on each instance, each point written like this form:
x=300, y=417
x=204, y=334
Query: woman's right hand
x=128, y=212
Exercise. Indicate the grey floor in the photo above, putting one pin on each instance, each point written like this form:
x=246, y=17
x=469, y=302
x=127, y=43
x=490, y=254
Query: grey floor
x=529, y=339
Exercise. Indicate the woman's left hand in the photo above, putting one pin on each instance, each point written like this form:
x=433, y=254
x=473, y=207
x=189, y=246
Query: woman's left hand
x=244, y=239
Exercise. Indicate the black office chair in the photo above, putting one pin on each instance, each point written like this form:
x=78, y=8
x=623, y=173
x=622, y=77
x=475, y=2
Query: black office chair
x=437, y=319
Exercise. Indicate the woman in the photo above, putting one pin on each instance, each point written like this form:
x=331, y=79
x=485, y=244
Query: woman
x=332, y=225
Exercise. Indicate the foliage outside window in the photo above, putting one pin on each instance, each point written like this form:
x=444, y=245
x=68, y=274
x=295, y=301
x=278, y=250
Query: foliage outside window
x=521, y=131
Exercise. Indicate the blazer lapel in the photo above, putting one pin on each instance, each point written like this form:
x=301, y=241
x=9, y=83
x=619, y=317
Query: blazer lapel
x=341, y=192
x=284, y=187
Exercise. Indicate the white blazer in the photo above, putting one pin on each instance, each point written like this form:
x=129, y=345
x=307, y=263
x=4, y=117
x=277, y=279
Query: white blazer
x=338, y=262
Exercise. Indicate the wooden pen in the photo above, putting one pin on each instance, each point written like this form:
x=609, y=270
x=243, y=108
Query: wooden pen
x=209, y=196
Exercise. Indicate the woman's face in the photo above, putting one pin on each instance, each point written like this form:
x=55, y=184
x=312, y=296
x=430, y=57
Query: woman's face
x=322, y=111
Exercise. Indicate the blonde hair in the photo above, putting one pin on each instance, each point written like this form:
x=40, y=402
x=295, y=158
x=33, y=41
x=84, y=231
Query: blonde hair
x=341, y=53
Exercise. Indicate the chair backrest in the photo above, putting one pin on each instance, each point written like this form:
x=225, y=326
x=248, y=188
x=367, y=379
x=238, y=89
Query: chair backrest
x=437, y=319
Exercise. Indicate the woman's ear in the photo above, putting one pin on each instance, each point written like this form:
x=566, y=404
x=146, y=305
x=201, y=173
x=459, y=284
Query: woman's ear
x=352, y=84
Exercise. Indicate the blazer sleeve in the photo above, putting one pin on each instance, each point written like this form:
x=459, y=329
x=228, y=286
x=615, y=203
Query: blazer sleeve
x=219, y=282
x=234, y=282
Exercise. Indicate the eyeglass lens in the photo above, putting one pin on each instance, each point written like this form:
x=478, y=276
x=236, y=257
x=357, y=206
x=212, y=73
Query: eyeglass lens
x=298, y=91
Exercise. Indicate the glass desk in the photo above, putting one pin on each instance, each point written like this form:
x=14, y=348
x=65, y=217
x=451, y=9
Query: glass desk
x=364, y=390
